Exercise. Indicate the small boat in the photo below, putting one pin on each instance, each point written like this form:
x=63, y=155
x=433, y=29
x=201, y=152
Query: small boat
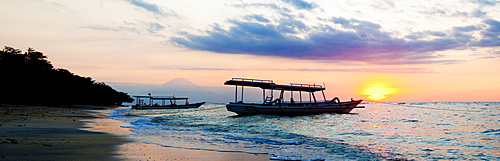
x=279, y=106
x=164, y=102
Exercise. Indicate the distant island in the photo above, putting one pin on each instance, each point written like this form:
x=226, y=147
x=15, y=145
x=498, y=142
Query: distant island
x=30, y=79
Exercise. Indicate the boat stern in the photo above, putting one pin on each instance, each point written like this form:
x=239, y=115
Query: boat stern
x=242, y=109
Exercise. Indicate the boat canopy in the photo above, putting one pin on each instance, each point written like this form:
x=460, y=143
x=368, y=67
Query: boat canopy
x=269, y=84
x=162, y=97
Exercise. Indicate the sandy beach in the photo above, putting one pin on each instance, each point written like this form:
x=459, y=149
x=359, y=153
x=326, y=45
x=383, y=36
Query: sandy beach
x=84, y=133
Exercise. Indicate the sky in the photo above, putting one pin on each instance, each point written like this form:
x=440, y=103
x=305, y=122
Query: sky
x=387, y=50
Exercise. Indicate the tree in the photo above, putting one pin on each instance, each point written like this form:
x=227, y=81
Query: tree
x=30, y=78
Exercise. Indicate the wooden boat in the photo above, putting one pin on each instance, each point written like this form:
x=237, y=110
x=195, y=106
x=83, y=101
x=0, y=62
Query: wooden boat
x=279, y=106
x=164, y=102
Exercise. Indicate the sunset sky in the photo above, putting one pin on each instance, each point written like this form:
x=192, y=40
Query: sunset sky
x=388, y=50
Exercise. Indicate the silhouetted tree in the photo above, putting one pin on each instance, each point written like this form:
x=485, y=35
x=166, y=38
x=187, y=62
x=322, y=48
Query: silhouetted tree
x=30, y=78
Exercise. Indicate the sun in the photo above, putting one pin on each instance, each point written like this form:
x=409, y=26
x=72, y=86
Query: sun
x=377, y=92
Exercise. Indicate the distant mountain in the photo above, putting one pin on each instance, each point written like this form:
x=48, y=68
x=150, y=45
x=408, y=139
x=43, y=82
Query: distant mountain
x=182, y=87
x=179, y=82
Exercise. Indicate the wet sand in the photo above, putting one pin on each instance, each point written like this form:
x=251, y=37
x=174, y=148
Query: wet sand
x=84, y=133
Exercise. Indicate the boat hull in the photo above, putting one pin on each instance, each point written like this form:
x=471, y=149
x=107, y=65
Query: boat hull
x=194, y=105
x=245, y=109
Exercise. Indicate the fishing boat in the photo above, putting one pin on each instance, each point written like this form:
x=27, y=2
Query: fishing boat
x=164, y=102
x=279, y=106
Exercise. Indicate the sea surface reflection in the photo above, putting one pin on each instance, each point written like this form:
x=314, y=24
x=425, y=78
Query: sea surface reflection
x=419, y=131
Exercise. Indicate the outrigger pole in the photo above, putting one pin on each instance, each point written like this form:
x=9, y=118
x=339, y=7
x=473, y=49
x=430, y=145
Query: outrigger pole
x=236, y=94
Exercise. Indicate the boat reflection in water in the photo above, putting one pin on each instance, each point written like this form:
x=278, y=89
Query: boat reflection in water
x=278, y=106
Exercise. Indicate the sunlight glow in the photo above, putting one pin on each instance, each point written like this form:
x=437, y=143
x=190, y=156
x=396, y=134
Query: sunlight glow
x=378, y=91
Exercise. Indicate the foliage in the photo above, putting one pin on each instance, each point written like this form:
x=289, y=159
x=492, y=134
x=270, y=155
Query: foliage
x=29, y=78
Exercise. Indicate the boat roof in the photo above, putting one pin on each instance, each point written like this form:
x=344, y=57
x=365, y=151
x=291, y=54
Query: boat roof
x=162, y=97
x=269, y=84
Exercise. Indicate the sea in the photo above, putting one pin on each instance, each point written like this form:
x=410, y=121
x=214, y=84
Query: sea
x=380, y=131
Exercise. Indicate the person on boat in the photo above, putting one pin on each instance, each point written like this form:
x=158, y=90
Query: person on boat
x=276, y=100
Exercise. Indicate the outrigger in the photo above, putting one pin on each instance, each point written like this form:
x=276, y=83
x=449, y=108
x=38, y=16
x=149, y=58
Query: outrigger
x=279, y=106
x=164, y=102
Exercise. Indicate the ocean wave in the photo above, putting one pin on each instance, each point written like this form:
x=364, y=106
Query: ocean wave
x=439, y=130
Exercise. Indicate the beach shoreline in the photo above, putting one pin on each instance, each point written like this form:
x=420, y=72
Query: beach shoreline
x=52, y=133
x=85, y=133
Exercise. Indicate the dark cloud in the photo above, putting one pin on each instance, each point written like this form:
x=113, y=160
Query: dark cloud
x=356, y=41
x=300, y=4
x=491, y=35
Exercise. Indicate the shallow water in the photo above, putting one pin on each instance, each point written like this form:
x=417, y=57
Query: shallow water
x=414, y=131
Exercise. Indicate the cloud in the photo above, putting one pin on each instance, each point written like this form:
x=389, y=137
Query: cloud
x=153, y=8
x=384, y=4
x=155, y=27
x=259, y=5
x=139, y=27
x=453, y=13
x=300, y=35
x=356, y=40
x=478, y=13
x=148, y=6
x=300, y=4
x=366, y=70
x=486, y=2
x=196, y=68
x=259, y=18
x=214, y=69
x=465, y=28
x=491, y=35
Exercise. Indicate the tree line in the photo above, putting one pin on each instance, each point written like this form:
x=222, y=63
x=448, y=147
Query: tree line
x=29, y=78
